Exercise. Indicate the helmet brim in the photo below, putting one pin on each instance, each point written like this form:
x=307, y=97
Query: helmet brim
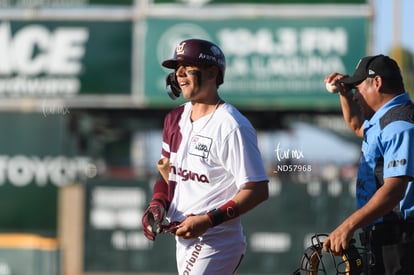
x=173, y=63
x=170, y=63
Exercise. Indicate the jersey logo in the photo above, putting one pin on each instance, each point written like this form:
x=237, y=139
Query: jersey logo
x=200, y=146
x=180, y=49
x=395, y=163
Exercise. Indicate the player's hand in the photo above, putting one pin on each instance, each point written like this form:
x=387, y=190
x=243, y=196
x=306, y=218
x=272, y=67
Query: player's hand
x=193, y=226
x=152, y=219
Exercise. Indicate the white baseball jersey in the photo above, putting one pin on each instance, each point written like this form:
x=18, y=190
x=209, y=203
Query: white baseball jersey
x=211, y=160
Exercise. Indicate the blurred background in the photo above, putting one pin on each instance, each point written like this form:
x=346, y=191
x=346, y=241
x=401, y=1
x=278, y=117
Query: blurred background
x=82, y=107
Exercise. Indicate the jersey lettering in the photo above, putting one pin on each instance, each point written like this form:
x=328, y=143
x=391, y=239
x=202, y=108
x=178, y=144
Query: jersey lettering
x=193, y=259
x=189, y=175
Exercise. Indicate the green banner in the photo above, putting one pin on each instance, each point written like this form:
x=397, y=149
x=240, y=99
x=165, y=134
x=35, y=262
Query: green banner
x=270, y=62
x=35, y=159
x=114, y=241
x=65, y=59
x=61, y=3
x=110, y=2
x=265, y=1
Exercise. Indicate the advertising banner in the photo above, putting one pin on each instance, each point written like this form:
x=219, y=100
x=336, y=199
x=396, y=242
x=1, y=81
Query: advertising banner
x=271, y=62
x=198, y=2
x=49, y=59
x=114, y=241
x=60, y=3
x=35, y=160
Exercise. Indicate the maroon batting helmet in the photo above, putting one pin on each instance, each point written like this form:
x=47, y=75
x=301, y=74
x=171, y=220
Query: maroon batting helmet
x=198, y=52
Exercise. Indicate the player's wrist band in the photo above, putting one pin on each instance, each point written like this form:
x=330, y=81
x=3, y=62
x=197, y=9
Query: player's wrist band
x=226, y=212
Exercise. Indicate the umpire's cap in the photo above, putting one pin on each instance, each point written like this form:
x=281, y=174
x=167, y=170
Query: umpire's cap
x=371, y=66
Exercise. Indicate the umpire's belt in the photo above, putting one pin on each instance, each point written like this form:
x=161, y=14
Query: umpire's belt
x=388, y=233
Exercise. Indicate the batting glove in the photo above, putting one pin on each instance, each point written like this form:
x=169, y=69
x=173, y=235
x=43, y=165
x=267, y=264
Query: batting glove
x=152, y=219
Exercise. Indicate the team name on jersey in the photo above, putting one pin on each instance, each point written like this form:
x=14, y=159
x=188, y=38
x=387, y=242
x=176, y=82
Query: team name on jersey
x=189, y=175
x=193, y=259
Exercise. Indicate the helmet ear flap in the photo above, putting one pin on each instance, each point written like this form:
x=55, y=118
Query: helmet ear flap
x=172, y=87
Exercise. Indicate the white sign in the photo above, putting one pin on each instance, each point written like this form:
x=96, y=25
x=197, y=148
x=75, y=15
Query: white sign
x=36, y=61
x=22, y=170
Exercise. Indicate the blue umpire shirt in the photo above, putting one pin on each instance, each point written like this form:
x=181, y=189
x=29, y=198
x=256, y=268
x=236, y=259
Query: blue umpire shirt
x=395, y=143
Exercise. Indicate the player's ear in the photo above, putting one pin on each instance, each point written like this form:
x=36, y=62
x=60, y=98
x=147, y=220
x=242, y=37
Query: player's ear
x=212, y=72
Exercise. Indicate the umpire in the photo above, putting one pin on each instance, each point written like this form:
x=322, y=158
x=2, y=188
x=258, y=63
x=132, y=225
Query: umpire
x=382, y=114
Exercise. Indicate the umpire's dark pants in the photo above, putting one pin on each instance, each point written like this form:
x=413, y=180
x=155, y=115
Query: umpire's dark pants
x=392, y=245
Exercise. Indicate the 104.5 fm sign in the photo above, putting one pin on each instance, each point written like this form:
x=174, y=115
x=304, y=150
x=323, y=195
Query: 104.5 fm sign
x=62, y=59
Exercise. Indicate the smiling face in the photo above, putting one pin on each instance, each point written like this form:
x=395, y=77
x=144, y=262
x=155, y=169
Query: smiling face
x=189, y=78
x=196, y=81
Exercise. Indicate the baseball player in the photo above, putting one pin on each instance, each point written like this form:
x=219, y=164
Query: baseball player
x=381, y=113
x=215, y=170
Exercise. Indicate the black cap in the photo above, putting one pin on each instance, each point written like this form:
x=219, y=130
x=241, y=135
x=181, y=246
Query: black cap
x=372, y=66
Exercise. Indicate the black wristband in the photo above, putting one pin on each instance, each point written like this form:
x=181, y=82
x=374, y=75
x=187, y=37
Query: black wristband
x=226, y=212
x=216, y=216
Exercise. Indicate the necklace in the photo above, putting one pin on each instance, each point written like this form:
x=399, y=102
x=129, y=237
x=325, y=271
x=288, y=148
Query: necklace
x=208, y=120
